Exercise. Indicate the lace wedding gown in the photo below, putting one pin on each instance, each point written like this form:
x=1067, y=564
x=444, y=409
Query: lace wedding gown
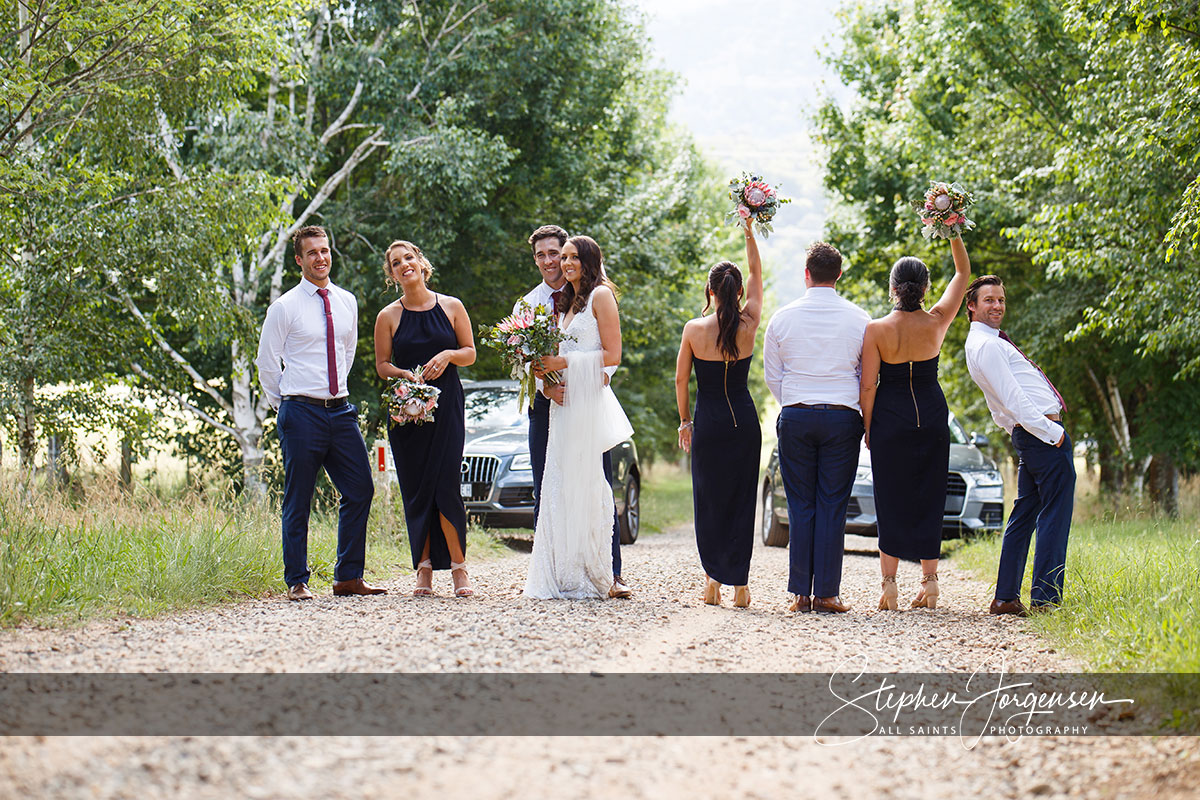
x=572, y=546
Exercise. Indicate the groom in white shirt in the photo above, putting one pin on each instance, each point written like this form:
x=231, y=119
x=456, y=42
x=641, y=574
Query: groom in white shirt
x=547, y=243
x=1025, y=403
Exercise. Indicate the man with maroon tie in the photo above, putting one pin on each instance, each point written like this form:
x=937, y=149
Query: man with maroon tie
x=313, y=330
x=1025, y=403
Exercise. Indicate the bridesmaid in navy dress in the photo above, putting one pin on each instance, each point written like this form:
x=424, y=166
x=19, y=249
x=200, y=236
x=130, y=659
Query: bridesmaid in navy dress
x=431, y=330
x=724, y=437
x=907, y=423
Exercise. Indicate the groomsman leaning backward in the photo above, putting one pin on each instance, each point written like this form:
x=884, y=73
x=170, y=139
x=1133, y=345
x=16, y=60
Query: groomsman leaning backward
x=1025, y=403
x=547, y=243
x=313, y=330
x=813, y=359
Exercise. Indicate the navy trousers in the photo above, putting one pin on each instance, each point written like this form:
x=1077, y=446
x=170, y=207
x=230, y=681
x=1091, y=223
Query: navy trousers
x=539, y=435
x=313, y=437
x=1045, y=502
x=818, y=455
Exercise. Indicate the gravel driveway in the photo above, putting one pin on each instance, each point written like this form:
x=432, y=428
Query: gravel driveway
x=665, y=628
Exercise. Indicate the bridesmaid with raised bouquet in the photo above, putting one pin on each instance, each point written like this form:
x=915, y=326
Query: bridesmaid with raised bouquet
x=904, y=410
x=724, y=436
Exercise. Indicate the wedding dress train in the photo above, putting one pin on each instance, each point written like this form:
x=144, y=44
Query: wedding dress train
x=572, y=546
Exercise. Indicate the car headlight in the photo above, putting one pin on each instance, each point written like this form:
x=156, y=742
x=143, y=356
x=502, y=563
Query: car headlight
x=863, y=473
x=521, y=462
x=989, y=478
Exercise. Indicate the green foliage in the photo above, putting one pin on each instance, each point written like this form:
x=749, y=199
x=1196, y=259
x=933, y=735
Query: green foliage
x=1073, y=125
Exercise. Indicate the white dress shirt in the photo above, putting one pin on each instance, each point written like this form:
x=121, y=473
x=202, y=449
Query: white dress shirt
x=294, y=333
x=813, y=350
x=1016, y=392
x=540, y=295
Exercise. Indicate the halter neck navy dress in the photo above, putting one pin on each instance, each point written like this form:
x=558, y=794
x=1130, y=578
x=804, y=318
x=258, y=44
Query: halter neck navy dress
x=910, y=458
x=726, y=443
x=429, y=457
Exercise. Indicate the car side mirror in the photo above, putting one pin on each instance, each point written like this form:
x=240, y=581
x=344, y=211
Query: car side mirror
x=980, y=441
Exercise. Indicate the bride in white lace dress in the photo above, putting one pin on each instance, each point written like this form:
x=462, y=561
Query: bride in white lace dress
x=572, y=546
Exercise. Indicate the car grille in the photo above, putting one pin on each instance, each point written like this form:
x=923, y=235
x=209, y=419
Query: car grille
x=956, y=492
x=853, y=509
x=992, y=515
x=479, y=471
x=516, y=496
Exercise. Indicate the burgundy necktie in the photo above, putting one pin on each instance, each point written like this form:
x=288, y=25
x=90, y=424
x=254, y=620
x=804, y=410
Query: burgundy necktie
x=557, y=293
x=330, y=357
x=1049, y=383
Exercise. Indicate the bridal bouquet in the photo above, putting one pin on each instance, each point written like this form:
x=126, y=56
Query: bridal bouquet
x=944, y=211
x=755, y=200
x=522, y=338
x=409, y=400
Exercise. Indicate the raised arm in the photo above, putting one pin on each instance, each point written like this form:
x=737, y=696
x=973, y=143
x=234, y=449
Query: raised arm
x=683, y=374
x=869, y=378
x=947, y=308
x=754, y=278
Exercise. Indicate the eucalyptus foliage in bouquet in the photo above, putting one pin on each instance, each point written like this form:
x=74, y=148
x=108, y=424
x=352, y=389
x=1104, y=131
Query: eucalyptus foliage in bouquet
x=522, y=338
x=753, y=199
x=411, y=401
x=944, y=211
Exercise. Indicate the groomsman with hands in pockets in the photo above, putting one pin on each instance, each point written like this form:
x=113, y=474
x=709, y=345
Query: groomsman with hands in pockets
x=547, y=243
x=1025, y=403
x=813, y=359
x=313, y=330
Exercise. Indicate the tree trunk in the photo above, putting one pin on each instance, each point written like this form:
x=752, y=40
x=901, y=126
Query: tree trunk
x=126, y=474
x=1164, y=485
x=248, y=423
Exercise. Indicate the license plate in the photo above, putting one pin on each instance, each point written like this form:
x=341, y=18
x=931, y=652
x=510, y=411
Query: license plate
x=465, y=490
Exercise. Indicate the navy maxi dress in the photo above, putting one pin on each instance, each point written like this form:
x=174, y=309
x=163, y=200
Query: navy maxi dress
x=726, y=442
x=910, y=457
x=429, y=457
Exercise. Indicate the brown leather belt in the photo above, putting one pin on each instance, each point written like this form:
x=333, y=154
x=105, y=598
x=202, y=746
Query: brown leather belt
x=332, y=402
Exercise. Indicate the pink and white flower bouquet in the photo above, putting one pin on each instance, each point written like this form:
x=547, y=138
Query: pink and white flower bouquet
x=944, y=211
x=522, y=338
x=754, y=199
x=411, y=401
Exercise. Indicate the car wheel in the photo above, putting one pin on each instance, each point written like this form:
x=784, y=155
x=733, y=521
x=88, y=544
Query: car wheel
x=774, y=532
x=631, y=519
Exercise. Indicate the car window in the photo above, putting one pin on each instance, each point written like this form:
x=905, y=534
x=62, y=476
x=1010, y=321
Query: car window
x=492, y=408
x=957, y=434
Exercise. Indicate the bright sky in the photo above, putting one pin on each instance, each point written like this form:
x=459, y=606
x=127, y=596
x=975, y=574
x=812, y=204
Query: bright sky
x=751, y=79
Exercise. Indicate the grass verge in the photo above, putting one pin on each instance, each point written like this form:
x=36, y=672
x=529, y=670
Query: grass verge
x=1130, y=600
x=64, y=560
x=666, y=498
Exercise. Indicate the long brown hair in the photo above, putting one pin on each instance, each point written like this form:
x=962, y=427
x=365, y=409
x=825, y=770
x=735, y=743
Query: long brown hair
x=725, y=282
x=592, y=261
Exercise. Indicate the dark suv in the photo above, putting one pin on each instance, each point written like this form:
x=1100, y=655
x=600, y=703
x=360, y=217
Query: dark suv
x=497, y=473
x=974, y=493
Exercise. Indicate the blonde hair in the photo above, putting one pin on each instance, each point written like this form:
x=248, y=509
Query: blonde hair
x=426, y=267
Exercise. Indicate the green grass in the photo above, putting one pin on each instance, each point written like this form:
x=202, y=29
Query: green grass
x=666, y=497
x=1130, y=600
x=64, y=560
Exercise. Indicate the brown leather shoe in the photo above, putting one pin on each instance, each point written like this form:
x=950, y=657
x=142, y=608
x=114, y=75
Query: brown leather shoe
x=620, y=589
x=830, y=605
x=1042, y=608
x=356, y=586
x=299, y=592
x=801, y=605
x=1014, y=607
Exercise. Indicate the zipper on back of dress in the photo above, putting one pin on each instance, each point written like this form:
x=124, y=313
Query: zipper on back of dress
x=913, y=393
x=727, y=401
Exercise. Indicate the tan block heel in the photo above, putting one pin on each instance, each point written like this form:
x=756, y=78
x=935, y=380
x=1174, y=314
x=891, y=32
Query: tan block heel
x=712, y=592
x=889, y=600
x=741, y=596
x=928, y=597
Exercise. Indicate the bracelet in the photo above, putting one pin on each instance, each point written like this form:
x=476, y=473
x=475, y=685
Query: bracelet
x=686, y=424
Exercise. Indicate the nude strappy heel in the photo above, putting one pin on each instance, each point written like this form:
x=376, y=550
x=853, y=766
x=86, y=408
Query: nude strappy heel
x=424, y=591
x=888, y=601
x=929, y=585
